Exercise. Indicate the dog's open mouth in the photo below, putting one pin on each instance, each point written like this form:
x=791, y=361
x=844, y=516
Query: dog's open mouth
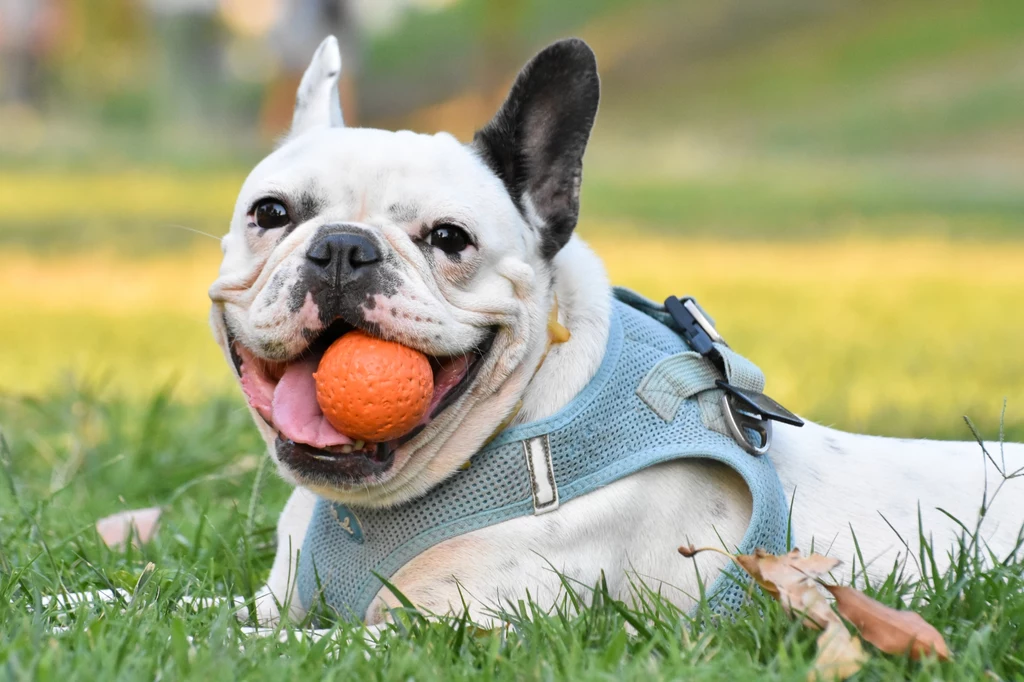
x=284, y=395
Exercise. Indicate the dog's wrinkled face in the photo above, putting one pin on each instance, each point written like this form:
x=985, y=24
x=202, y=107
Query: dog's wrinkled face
x=418, y=239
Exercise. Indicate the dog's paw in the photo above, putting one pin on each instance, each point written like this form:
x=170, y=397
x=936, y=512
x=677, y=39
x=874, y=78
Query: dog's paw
x=267, y=613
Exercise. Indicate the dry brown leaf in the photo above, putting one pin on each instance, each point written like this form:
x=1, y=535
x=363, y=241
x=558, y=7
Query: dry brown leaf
x=771, y=571
x=840, y=654
x=814, y=606
x=892, y=631
x=792, y=580
x=141, y=524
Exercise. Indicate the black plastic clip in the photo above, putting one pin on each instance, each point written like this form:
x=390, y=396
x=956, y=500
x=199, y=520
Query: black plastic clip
x=759, y=403
x=695, y=327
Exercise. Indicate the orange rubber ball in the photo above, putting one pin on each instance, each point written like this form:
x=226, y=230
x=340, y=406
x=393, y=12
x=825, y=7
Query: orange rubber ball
x=373, y=390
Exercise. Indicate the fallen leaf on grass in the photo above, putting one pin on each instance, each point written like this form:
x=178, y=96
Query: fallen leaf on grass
x=774, y=572
x=792, y=580
x=141, y=524
x=840, y=654
x=892, y=631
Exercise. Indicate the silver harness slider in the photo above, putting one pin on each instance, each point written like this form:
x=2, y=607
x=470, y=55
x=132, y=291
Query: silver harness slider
x=542, y=474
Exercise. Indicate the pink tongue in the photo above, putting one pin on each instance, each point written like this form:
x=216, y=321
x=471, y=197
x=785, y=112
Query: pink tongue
x=447, y=377
x=296, y=413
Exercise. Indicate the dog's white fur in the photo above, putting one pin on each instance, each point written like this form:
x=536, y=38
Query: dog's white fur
x=844, y=487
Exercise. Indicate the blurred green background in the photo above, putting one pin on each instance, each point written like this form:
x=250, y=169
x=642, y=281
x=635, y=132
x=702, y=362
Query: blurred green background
x=841, y=182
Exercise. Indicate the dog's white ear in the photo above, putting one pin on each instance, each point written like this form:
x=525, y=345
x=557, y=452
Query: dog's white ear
x=317, y=104
x=535, y=142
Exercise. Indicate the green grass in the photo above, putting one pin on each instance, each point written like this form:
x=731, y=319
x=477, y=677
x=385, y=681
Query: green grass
x=79, y=453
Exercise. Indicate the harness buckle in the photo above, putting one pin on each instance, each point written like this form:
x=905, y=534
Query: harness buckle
x=738, y=419
x=755, y=402
x=744, y=410
x=694, y=326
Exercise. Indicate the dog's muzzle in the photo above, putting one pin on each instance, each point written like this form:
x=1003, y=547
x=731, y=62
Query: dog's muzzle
x=344, y=269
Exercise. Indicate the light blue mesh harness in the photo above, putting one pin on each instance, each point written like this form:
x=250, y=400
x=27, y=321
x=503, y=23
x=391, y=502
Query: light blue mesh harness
x=652, y=400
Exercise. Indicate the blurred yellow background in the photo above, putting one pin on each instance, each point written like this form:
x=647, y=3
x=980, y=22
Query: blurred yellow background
x=895, y=336
x=841, y=183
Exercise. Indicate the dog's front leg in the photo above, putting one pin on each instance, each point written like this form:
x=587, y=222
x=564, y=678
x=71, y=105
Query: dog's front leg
x=280, y=588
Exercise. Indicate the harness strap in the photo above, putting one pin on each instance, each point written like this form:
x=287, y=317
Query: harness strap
x=735, y=405
x=682, y=376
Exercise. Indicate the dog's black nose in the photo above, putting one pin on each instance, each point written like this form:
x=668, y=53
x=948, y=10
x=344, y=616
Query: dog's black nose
x=341, y=254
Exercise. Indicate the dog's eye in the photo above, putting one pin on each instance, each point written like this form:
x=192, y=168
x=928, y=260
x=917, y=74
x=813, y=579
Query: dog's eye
x=449, y=238
x=269, y=214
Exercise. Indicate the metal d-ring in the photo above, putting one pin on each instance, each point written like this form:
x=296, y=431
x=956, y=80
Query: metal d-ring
x=738, y=420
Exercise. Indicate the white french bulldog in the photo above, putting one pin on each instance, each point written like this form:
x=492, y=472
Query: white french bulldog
x=461, y=251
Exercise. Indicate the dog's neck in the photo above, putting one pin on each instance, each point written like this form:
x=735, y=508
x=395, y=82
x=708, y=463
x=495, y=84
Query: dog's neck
x=580, y=285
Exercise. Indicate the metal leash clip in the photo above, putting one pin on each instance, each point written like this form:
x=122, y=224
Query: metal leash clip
x=738, y=419
x=748, y=414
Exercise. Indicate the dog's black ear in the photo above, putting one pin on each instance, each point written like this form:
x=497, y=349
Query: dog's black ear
x=536, y=141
